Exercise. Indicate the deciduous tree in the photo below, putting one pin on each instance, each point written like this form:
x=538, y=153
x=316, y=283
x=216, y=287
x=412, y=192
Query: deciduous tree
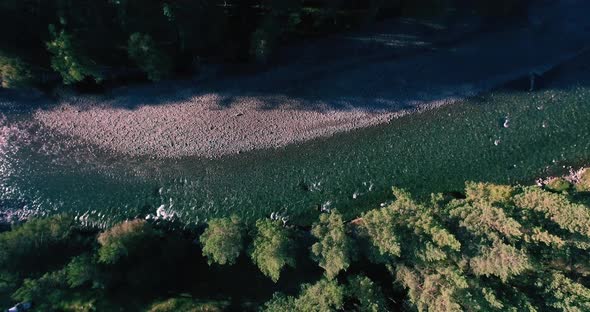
x=272, y=248
x=68, y=58
x=124, y=239
x=223, y=240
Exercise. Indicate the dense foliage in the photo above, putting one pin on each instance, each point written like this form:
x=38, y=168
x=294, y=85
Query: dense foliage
x=325, y=295
x=223, y=240
x=334, y=250
x=91, y=40
x=272, y=248
x=14, y=72
x=122, y=239
x=501, y=248
x=68, y=59
x=497, y=248
x=39, y=239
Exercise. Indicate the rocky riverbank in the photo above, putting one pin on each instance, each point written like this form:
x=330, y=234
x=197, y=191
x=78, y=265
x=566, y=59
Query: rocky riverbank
x=300, y=102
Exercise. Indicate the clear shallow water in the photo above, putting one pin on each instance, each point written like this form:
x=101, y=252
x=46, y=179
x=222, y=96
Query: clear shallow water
x=41, y=173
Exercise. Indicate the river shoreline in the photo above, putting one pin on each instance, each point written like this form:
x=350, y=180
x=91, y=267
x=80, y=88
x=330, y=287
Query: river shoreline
x=297, y=103
x=45, y=173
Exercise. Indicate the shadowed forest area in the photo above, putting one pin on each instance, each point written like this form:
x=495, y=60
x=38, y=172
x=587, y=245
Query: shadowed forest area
x=115, y=41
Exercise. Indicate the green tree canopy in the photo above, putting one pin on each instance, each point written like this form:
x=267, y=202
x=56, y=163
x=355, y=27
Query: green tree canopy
x=23, y=246
x=68, y=58
x=223, y=240
x=498, y=249
x=81, y=270
x=501, y=248
x=14, y=72
x=406, y=220
x=124, y=239
x=272, y=248
x=572, y=217
x=365, y=294
x=334, y=250
x=279, y=302
x=323, y=296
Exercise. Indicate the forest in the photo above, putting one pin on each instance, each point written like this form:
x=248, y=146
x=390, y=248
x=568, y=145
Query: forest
x=99, y=42
x=490, y=248
x=89, y=228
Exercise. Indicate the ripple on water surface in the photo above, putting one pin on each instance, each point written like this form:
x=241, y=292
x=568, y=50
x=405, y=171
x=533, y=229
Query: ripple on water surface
x=42, y=173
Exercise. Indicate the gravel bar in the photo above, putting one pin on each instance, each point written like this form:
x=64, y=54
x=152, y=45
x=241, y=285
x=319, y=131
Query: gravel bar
x=306, y=100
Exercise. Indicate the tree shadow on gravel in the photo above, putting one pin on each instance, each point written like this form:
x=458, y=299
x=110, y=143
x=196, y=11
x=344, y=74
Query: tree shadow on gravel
x=368, y=71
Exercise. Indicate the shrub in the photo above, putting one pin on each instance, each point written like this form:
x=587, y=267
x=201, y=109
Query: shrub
x=142, y=49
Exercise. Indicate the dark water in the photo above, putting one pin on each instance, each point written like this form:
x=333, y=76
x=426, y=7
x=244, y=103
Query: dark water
x=435, y=151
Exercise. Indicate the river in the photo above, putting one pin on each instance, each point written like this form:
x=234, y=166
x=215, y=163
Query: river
x=42, y=173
